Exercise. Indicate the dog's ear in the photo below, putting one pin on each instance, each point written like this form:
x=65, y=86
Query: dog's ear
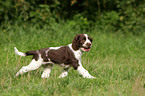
x=75, y=43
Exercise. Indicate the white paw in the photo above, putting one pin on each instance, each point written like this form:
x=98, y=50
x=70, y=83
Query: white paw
x=64, y=74
x=17, y=74
x=45, y=76
x=87, y=75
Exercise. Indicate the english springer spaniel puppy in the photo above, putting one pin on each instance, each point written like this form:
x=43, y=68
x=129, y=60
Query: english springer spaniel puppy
x=66, y=56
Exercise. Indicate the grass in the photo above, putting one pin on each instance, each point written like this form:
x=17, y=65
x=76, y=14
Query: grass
x=117, y=60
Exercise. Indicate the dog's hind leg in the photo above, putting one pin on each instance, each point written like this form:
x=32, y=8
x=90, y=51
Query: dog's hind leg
x=32, y=66
x=47, y=70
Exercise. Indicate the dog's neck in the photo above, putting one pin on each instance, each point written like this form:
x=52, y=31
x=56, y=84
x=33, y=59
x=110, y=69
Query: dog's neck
x=78, y=53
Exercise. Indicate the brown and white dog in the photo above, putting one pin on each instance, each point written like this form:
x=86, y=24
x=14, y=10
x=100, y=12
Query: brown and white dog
x=66, y=56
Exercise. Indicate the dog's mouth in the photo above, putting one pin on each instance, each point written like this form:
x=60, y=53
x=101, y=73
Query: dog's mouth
x=86, y=48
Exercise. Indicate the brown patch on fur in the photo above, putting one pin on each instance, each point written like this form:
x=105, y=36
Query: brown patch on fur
x=43, y=54
x=63, y=55
x=36, y=53
x=33, y=52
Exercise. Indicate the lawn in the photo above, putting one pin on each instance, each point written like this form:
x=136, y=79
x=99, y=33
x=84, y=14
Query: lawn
x=116, y=60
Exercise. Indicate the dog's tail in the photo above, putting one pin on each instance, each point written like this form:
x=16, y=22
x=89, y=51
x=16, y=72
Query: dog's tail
x=24, y=54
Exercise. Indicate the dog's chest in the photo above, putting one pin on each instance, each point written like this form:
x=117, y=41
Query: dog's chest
x=78, y=54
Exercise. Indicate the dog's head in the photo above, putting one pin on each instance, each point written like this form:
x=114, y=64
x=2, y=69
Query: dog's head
x=83, y=42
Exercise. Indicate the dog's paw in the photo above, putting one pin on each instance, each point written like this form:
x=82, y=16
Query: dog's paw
x=45, y=76
x=89, y=76
x=64, y=74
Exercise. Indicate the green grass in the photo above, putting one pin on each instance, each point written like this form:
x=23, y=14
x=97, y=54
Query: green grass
x=117, y=60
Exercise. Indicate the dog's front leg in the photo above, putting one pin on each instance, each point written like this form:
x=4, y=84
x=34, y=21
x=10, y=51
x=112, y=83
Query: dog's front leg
x=64, y=73
x=82, y=71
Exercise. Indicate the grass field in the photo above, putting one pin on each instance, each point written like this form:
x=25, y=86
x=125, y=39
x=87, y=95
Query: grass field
x=117, y=60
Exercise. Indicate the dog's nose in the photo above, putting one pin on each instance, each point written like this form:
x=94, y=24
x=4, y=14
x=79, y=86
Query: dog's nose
x=89, y=44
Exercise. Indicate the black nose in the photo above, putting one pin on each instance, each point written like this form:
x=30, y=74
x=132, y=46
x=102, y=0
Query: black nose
x=89, y=44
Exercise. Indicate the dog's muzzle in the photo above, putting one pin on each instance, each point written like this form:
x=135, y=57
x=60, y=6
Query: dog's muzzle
x=87, y=47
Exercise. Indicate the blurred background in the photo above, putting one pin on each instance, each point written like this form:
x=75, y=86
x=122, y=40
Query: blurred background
x=115, y=15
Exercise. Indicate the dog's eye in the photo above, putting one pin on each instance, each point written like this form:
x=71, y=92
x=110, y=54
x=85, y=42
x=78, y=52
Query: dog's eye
x=84, y=38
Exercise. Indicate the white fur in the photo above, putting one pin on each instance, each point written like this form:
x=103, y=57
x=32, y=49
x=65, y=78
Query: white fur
x=82, y=71
x=55, y=48
x=47, y=71
x=63, y=74
x=19, y=53
x=77, y=53
x=32, y=66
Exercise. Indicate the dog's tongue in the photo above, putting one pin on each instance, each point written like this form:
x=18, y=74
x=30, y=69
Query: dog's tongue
x=85, y=49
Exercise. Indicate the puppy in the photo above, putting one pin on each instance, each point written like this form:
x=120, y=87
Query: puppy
x=66, y=56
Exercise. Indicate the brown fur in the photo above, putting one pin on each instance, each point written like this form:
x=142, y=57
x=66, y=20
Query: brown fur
x=77, y=41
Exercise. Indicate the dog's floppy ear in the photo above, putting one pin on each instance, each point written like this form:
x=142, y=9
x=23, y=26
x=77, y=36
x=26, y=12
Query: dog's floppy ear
x=75, y=43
